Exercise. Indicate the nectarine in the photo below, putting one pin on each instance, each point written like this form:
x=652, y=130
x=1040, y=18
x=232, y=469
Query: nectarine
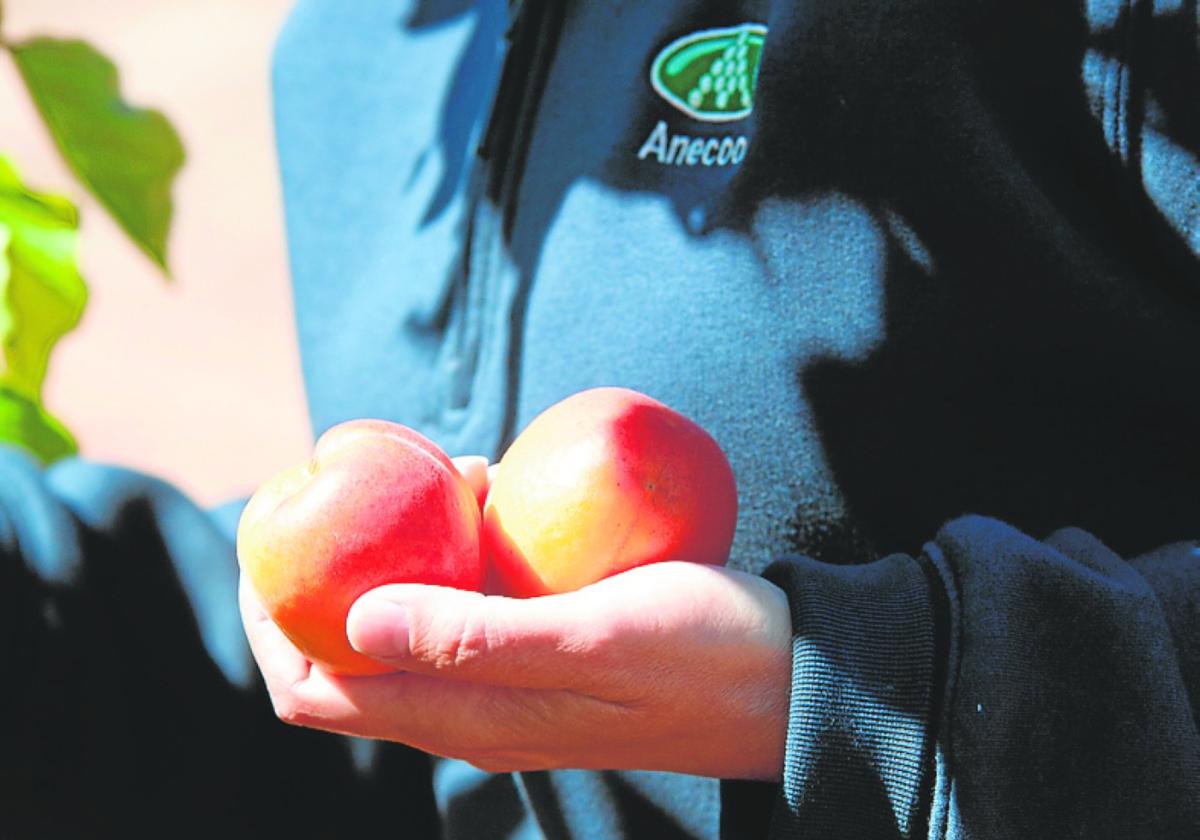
x=603, y=481
x=378, y=503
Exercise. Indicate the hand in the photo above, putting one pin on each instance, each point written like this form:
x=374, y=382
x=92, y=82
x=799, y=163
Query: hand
x=673, y=666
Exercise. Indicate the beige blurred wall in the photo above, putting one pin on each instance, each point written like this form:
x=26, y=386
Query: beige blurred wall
x=196, y=380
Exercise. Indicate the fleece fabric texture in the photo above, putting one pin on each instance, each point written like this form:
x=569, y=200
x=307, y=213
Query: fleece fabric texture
x=943, y=316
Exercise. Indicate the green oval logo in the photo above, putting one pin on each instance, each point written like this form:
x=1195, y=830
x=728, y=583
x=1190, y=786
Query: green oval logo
x=710, y=75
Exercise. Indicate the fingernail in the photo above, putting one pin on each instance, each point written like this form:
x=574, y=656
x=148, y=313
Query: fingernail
x=379, y=628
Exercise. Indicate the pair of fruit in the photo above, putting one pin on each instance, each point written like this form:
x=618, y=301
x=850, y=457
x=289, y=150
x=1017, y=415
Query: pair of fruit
x=601, y=482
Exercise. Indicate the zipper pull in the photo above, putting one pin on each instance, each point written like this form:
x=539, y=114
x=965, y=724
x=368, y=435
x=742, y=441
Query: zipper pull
x=512, y=72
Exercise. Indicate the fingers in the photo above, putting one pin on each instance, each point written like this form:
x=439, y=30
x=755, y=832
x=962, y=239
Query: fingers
x=475, y=470
x=548, y=642
x=495, y=727
x=481, y=723
x=281, y=664
x=617, y=674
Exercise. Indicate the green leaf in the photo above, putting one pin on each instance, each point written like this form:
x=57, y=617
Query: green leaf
x=42, y=295
x=41, y=298
x=25, y=423
x=128, y=157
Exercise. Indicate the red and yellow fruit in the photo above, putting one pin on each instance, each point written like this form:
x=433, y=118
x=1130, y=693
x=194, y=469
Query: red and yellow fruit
x=377, y=504
x=606, y=480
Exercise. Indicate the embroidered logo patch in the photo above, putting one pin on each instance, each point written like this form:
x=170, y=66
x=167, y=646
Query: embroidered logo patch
x=710, y=75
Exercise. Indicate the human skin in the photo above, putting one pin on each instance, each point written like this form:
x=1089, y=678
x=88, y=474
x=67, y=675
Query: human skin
x=674, y=666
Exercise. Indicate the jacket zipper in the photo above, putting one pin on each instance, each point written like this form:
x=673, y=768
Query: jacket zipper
x=501, y=154
x=531, y=43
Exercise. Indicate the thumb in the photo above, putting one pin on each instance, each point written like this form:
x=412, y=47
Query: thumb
x=547, y=642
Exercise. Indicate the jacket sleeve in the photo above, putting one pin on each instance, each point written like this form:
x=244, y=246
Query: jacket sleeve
x=994, y=686
x=130, y=700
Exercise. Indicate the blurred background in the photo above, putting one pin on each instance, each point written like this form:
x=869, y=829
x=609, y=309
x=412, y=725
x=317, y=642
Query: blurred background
x=195, y=379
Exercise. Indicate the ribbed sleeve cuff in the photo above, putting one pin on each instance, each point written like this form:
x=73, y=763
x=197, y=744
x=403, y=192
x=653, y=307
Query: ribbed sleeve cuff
x=864, y=653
